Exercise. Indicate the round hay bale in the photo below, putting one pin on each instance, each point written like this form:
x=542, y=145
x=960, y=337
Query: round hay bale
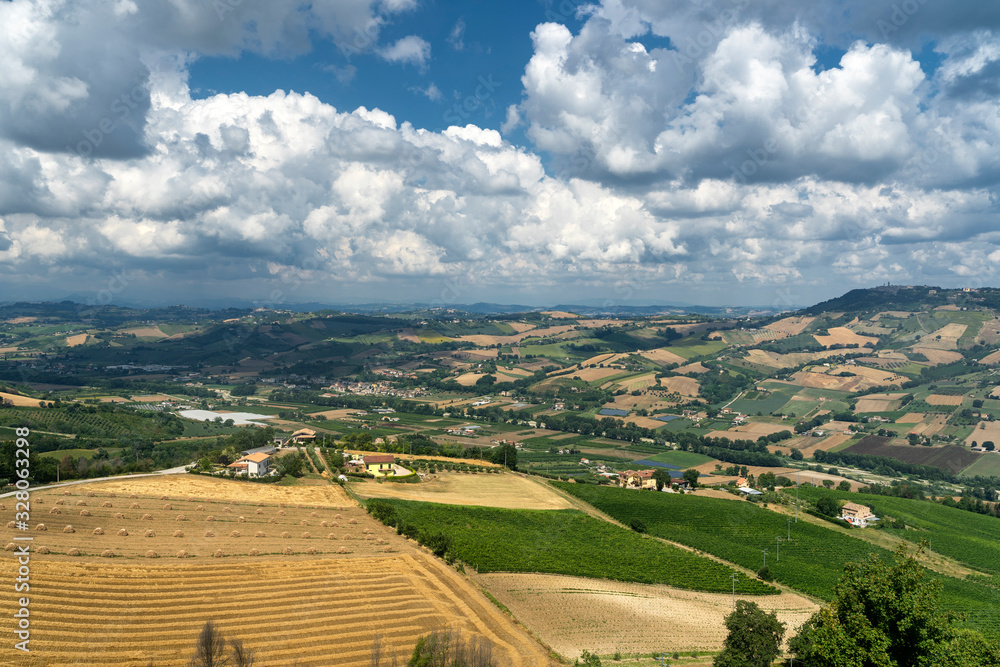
x=81, y=503
x=200, y=508
x=147, y=517
x=150, y=533
x=107, y=503
x=281, y=504
x=311, y=551
x=112, y=495
x=369, y=537
x=107, y=553
x=164, y=498
x=331, y=536
x=65, y=493
x=11, y=524
x=134, y=506
x=338, y=517
x=343, y=550
x=119, y=515
x=209, y=534
x=60, y=502
x=73, y=552
x=90, y=494
x=178, y=533
x=41, y=526
x=69, y=529
x=306, y=536
x=281, y=512
x=84, y=512
x=260, y=511
x=285, y=535
x=348, y=537
x=152, y=554
x=168, y=506
x=132, y=495
x=209, y=518
x=181, y=517
x=334, y=525
x=235, y=533
x=367, y=531
x=253, y=552
x=259, y=533
x=182, y=554
x=240, y=519
x=323, y=523
x=43, y=550
x=55, y=510
x=353, y=521
x=40, y=501
x=98, y=531
x=227, y=509
x=122, y=532
x=299, y=506
x=218, y=553
x=313, y=514
x=303, y=523
x=271, y=520
x=260, y=503
x=288, y=551
x=10, y=546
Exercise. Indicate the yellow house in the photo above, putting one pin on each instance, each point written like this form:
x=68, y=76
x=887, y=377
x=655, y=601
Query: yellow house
x=379, y=464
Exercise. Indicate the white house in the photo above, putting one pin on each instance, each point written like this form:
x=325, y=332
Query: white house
x=258, y=464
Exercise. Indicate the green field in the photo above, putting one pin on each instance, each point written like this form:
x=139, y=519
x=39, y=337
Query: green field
x=567, y=542
x=682, y=459
x=75, y=454
x=692, y=347
x=986, y=466
x=812, y=562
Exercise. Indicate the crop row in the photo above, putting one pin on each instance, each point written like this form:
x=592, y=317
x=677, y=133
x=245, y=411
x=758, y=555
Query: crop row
x=812, y=561
x=566, y=542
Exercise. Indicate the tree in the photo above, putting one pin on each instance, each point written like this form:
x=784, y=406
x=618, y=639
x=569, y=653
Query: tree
x=691, y=477
x=289, y=464
x=754, y=638
x=796, y=455
x=210, y=649
x=505, y=455
x=844, y=486
x=828, y=506
x=242, y=656
x=446, y=648
x=883, y=613
x=828, y=483
x=662, y=477
x=989, y=446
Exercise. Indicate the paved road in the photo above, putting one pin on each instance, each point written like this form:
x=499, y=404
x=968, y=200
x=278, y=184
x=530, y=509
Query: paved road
x=170, y=471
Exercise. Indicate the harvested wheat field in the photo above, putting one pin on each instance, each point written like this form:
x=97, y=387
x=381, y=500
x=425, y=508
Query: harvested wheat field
x=663, y=356
x=408, y=335
x=20, y=401
x=593, y=374
x=78, y=339
x=844, y=336
x=941, y=399
x=506, y=490
x=991, y=359
x=146, y=332
x=983, y=432
x=936, y=357
x=879, y=402
x=604, y=616
x=684, y=386
x=792, y=325
x=154, y=567
x=944, y=338
x=130, y=612
x=469, y=379
x=911, y=418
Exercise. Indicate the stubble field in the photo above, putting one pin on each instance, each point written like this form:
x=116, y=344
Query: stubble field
x=301, y=562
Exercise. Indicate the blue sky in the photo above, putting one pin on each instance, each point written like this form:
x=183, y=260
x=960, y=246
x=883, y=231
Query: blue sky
x=625, y=151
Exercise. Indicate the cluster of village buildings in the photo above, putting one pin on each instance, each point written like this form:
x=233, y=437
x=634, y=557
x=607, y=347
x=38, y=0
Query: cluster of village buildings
x=380, y=388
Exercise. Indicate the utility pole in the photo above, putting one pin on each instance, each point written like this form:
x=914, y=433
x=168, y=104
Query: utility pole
x=733, y=577
x=764, y=551
x=789, y=538
x=777, y=549
x=796, y=496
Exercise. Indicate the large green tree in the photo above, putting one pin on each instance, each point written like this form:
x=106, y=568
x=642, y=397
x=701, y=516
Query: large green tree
x=886, y=614
x=754, y=638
